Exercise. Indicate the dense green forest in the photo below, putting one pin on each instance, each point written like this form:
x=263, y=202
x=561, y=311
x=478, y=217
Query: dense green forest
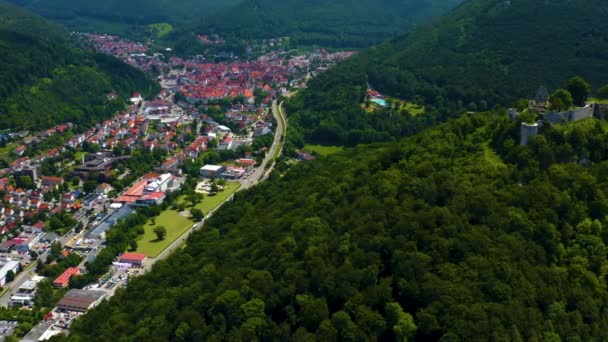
x=482, y=54
x=45, y=79
x=31, y=48
x=457, y=233
x=496, y=51
x=339, y=23
x=331, y=111
x=120, y=16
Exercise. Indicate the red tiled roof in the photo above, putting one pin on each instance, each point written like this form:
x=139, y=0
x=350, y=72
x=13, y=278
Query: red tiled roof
x=137, y=189
x=132, y=257
x=64, y=278
x=126, y=199
x=153, y=196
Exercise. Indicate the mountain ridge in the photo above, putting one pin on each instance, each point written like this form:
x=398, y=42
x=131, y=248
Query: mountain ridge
x=46, y=80
x=341, y=23
x=481, y=55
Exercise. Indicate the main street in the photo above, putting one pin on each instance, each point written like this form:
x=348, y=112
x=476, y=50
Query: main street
x=30, y=271
x=259, y=175
x=263, y=170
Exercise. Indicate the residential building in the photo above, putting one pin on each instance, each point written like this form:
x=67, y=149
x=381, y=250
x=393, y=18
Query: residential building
x=64, y=279
x=52, y=181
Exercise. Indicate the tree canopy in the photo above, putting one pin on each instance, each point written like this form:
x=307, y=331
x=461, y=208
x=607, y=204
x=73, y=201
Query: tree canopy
x=338, y=23
x=46, y=80
x=460, y=62
x=116, y=15
x=560, y=100
x=457, y=233
x=580, y=90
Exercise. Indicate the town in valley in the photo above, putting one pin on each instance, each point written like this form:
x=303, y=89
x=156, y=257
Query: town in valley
x=215, y=128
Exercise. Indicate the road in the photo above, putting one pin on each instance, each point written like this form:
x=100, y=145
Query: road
x=259, y=175
x=262, y=171
x=30, y=272
x=15, y=284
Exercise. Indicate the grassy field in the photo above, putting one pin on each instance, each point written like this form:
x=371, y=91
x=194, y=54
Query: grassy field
x=210, y=203
x=6, y=152
x=324, y=150
x=400, y=105
x=160, y=29
x=177, y=224
x=599, y=101
x=78, y=156
x=410, y=107
x=279, y=149
x=413, y=108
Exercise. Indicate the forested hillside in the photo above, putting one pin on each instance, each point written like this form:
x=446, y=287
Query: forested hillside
x=493, y=51
x=456, y=234
x=338, y=23
x=45, y=79
x=114, y=15
x=482, y=54
x=30, y=48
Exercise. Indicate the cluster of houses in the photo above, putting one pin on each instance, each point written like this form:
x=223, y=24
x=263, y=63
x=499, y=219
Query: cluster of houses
x=113, y=45
x=206, y=82
x=211, y=39
x=128, y=130
x=18, y=205
x=200, y=80
x=28, y=139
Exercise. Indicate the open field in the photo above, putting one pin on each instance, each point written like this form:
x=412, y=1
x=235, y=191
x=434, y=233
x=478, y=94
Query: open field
x=6, y=152
x=177, y=224
x=413, y=108
x=210, y=203
x=79, y=156
x=324, y=150
x=599, y=101
x=279, y=149
x=410, y=107
x=397, y=105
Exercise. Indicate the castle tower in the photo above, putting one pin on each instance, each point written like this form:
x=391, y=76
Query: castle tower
x=527, y=132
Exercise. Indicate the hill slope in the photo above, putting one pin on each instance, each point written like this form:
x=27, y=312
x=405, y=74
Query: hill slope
x=497, y=50
x=483, y=53
x=339, y=23
x=113, y=14
x=438, y=236
x=45, y=79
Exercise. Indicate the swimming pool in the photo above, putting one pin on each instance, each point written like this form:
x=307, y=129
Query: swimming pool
x=379, y=102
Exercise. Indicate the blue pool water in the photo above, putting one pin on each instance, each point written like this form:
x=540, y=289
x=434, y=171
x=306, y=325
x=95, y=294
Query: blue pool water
x=379, y=102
